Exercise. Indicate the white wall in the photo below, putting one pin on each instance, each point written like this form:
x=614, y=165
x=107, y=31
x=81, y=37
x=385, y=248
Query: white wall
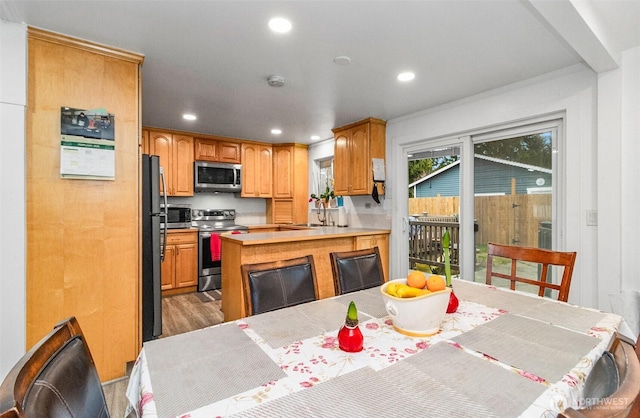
x=575, y=93
x=13, y=194
x=619, y=177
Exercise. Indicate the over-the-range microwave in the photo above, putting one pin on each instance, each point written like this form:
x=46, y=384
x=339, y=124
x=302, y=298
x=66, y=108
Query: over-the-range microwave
x=217, y=177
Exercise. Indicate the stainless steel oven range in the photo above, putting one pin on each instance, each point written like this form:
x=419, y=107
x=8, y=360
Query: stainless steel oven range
x=211, y=223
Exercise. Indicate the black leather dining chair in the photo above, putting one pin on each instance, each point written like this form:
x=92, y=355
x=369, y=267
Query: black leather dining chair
x=356, y=270
x=278, y=284
x=57, y=378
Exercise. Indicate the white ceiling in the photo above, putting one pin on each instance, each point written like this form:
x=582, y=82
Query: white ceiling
x=211, y=58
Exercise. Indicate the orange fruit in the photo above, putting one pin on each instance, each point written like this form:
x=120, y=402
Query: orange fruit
x=435, y=283
x=416, y=279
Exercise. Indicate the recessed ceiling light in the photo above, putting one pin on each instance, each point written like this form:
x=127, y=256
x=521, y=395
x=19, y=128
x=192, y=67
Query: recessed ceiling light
x=276, y=131
x=314, y=137
x=280, y=25
x=189, y=116
x=407, y=76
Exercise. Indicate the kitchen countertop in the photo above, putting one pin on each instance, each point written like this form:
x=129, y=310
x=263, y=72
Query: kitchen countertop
x=312, y=233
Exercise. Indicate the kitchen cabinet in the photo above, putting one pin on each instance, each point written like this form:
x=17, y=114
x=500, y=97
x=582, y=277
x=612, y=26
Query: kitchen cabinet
x=144, y=141
x=180, y=265
x=256, y=170
x=283, y=171
x=289, y=203
x=283, y=211
x=355, y=147
x=176, y=159
x=377, y=240
x=214, y=150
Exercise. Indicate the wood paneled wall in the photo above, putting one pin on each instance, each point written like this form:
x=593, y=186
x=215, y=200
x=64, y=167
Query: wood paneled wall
x=83, y=235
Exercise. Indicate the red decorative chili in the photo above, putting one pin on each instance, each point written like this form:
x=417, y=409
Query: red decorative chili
x=453, y=303
x=350, y=337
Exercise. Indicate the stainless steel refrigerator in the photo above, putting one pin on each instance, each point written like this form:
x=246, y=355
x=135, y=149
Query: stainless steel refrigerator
x=153, y=246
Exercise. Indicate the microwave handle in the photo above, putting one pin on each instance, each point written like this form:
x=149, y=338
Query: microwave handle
x=165, y=215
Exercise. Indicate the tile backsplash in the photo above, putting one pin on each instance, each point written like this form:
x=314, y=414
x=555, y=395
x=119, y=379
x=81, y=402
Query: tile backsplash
x=362, y=211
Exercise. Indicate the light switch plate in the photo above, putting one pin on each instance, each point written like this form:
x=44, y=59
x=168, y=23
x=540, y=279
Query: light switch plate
x=592, y=217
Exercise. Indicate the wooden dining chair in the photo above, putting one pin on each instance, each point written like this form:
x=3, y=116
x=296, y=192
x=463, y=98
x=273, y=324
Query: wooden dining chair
x=544, y=258
x=278, y=284
x=617, y=385
x=356, y=270
x=57, y=378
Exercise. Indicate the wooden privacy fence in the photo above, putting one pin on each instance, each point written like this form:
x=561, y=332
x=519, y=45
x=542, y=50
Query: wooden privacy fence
x=510, y=219
x=425, y=241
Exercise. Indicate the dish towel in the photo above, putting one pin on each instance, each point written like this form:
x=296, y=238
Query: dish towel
x=214, y=244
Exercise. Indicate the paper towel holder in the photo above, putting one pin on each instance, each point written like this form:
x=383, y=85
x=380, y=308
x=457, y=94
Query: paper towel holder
x=343, y=220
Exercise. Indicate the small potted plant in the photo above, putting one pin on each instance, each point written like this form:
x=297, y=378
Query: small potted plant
x=323, y=199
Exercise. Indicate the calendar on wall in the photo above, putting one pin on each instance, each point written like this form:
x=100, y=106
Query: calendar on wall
x=87, y=144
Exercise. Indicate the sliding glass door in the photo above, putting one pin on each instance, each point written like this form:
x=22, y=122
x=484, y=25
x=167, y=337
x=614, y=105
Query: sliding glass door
x=515, y=189
x=498, y=186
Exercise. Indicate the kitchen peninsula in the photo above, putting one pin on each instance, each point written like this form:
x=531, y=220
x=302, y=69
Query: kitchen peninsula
x=284, y=244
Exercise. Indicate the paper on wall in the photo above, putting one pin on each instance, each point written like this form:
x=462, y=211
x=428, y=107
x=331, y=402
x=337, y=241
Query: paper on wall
x=378, y=169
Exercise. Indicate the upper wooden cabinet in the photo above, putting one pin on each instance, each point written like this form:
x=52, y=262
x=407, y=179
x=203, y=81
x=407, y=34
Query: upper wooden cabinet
x=355, y=147
x=176, y=159
x=217, y=151
x=283, y=171
x=256, y=170
x=290, y=184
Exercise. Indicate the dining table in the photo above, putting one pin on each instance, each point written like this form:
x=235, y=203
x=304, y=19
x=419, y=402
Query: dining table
x=503, y=353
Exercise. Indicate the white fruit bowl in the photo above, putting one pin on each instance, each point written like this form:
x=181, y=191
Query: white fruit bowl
x=420, y=316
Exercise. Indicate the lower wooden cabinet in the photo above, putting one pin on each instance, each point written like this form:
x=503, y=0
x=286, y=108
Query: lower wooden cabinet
x=180, y=265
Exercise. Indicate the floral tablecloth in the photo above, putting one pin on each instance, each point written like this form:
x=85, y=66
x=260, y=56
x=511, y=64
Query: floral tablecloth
x=312, y=361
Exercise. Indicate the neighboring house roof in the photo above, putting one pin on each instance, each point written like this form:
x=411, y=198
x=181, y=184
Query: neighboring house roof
x=435, y=173
x=493, y=176
x=482, y=157
x=514, y=164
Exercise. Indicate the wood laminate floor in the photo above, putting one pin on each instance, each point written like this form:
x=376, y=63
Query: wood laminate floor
x=180, y=314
